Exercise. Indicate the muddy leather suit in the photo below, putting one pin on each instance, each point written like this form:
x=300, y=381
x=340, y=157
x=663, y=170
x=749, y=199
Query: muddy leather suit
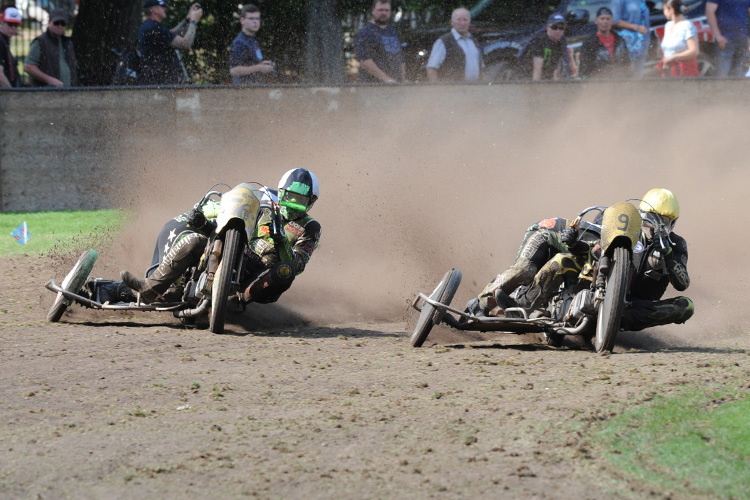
x=273, y=265
x=653, y=276
x=540, y=243
x=178, y=247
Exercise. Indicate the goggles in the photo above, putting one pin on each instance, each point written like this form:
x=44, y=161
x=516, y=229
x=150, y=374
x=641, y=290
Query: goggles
x=294, y=201
x=654, y=220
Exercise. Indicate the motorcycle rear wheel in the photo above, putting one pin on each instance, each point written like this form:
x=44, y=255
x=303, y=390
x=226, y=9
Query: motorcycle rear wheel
x=223, y=285
x=430, y=316
x=610, y=311
x=73, y=282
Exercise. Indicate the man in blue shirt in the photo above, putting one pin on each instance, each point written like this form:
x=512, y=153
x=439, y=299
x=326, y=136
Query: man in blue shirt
x=160, y=63
x=632, y=20
x=378, y=48
x=728, y=21
x=246, y=63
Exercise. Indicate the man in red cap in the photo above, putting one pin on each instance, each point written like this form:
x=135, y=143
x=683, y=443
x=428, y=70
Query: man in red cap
x=9, y=22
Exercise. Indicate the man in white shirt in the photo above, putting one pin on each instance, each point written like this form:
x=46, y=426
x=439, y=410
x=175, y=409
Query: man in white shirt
x=456, y=56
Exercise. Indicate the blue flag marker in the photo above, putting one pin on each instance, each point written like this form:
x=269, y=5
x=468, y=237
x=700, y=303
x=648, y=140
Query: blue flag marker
x=21, y=234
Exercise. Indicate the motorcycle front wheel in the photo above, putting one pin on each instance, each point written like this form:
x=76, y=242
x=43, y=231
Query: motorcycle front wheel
x=223, y=284
x=610, y=311
x=73, y=282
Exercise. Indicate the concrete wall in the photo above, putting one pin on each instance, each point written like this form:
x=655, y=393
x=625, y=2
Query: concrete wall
x=93, y=149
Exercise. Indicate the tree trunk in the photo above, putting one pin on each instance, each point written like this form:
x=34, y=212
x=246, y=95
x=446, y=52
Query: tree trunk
x=325, y=55
x=102, y=28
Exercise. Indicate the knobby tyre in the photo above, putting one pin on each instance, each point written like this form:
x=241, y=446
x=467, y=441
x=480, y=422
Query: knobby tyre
x=73, y=282
x=430, y=316
x=610, y=311
x=223, y=286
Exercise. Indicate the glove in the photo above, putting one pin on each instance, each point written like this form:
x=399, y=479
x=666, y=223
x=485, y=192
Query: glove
x=569, y=236
x=196, y=219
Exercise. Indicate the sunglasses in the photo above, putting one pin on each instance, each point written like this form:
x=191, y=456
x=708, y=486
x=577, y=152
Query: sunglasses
x=60, y=23
x=558, y=27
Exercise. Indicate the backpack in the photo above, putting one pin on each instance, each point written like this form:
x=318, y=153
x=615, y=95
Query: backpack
x=128, y=67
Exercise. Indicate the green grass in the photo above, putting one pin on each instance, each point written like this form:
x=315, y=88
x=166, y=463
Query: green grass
x=695, y=444
x=50, y=229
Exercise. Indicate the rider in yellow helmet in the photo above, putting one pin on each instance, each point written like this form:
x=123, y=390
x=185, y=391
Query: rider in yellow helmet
x=662, y=261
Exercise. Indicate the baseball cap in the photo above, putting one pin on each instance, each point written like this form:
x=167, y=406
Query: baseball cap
x=58, y=15
x=603, y=10
x=11, y=15
x=155, y=3
x=555, y=19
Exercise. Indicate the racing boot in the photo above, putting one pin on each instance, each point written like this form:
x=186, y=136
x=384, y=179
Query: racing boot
x=101, y=290
x=134, y=283
x=473, y=307
x=504, y=301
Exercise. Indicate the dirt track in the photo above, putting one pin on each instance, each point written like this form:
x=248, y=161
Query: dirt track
x=130, y=406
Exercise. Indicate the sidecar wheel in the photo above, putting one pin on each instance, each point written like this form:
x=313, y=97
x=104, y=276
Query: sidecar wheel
x=223, y=285
x=610, y=311
x=430, y=316
x=73, y=282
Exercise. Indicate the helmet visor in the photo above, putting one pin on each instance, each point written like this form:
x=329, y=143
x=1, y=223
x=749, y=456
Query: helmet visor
x=294, y=201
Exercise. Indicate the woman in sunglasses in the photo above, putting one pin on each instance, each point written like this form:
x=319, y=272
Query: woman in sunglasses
x=44, y=64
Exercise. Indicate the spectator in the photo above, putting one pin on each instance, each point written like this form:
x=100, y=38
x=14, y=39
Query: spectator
x=680, y=43
x=728, y=20
x=52, y=60
x=543, y=55
x=160, y=61
x=246, y=63
x=631, y=17
x=604, y=54
x=456, y=56
x=378, y=48
x=69, y=6
x=9, y=23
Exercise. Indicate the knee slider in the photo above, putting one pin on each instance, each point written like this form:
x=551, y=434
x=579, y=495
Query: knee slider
x=687, y=306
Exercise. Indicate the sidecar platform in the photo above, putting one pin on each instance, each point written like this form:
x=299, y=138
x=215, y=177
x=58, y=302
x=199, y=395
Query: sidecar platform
x=117, y=306
x=435, y=309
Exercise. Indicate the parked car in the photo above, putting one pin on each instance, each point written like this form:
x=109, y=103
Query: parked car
x=503, y=29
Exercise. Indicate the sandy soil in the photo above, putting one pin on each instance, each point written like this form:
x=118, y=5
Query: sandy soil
x=132, y=405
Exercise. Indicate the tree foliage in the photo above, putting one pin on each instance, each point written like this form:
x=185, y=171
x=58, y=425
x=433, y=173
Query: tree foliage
x=102, y=28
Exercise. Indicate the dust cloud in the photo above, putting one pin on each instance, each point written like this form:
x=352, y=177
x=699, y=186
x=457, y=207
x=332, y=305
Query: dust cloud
x=417, y=180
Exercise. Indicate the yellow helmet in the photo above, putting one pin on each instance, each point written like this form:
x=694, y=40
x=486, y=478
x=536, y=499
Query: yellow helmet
x=662, y=202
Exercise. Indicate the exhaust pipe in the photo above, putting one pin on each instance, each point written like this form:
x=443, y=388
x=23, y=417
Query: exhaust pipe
x=203, y=306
